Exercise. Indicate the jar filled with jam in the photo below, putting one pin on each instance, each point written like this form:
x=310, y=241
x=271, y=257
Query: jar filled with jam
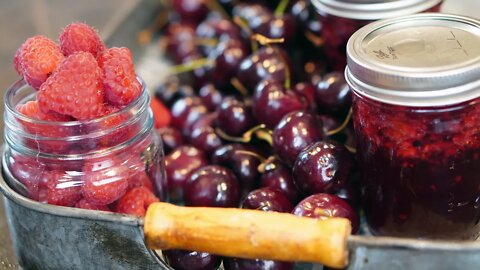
x=416, y=111
x=341, y=18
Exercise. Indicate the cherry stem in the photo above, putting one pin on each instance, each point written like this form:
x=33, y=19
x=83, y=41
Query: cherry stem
x=247, y=136
x=288, y=77
x=206, y=41
x=351, y=149
x=192, y=65
x=282, y=6
x=239, y=86
x=263, y=40
x=267, y=165
x=250, y=153
x=215, y=6
x=244, y=26
x=342, y=126
x=314, y=39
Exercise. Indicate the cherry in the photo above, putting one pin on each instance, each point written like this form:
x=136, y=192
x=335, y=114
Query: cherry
x=333, y=94
x=256, y=264
x=218, y=29
x=271, y=102
x=322, y=167
x=267, y=199
x=267, y=63
x=171, y=138
x=185, y=112
x=190, y=10
x=295, y=131
x=243, y=160
x=307, y=90
x=278, y=176
x=191, y=260
x=211, y=96
x=179, y=164
x=282, y=26
x=202, y=73
x=171, y=91
x=324, y=206
x=213, y=186
x=234, y=116
x=228, y=55
x=202, y=134
x=253, y=14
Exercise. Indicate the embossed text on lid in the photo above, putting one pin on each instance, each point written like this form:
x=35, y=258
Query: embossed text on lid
x=425, y=59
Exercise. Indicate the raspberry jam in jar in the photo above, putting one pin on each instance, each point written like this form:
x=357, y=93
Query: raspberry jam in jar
x=341, y=18
x=113, y=163
x=416, y=111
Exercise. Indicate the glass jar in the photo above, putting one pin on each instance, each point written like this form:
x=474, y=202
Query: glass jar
x=416, y=111
x=113, y=163
x=341, y=18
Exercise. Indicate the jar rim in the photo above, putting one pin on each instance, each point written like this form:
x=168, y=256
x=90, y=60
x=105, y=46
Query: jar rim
x=374, y=9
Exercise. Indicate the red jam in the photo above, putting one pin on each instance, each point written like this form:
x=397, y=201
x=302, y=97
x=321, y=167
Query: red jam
x=420, y=168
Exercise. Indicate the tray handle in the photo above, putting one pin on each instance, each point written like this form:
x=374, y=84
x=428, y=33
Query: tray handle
x=248, y=234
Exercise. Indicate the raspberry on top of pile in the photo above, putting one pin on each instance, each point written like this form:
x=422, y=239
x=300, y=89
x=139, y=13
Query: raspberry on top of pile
x=77, y=79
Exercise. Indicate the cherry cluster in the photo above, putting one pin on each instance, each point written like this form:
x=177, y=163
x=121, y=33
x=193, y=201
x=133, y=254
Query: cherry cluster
x=258, y=119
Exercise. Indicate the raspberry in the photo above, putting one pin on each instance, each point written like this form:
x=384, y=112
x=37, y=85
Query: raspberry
x=119, y=79
x=38, y=58
x=28, y=172
x=61, y=188
x=136, y=201
x=17, y=62
x=105, y=181
x=117, y=133
x=80, y=37
x=74, y=89
x=84, y=204
x=140, y=179
x=161, y=115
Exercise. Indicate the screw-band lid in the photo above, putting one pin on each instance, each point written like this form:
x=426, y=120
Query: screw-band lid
x=419, y=60
x=373, y=9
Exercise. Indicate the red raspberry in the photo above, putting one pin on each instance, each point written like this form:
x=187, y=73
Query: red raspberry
x=84, y=204
x=17, y=62
x=140, y=179
x=61, y=188
x=105, y=181
x=28, y=172
x=112, y=125
x=161, y=114
x=119, y=79
x=136, y=201
x=80, y=37
x=38, y=57
x=74, y=89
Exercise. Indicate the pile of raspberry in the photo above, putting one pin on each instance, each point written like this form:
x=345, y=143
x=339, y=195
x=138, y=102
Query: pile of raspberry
x=79, y=79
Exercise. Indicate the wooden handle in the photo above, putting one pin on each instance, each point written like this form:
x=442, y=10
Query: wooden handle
x=248, y=234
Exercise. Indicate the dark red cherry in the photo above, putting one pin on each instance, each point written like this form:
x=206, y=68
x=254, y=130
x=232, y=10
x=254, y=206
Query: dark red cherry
x=213, y=186
x=234, y=116
x=322, y=167
x=217, y=29
x=228, y=55
x=295, y=131
x=211, y=96
x=243, y=160
x=278, y=176
x=267, y=199
x=202, y=74
x=253, y=14
x=170, y=91
x=185, y=112
x=271, y=102
x=171, y=138
x=283, y=26
x=190, y=10
x=202, y=134
x=307, y=90
x=267, y=63
x=180, y=41
x=325, y=206
x=256, y=264
x=179, y=164
x=333, y=94
x=191, y=260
